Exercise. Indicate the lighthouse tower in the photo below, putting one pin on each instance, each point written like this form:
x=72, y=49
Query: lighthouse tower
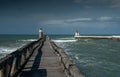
x=76, y=33
x=40, y=33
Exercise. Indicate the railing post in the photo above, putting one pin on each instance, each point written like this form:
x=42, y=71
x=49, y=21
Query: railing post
x=4, y=71
x=1, y=73
x=22, y=58
x=18, y=61
x=13, y=68
x=25, y=55
x=27, y=52
x=7, y=70
x=30, y=50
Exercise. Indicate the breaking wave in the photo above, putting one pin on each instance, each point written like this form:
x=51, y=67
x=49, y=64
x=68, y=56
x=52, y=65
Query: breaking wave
x=28, y=40
x=7, y=50
x=64, y=40
x=10, y=47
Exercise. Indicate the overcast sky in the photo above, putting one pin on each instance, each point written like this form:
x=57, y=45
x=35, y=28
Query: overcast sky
x=60, y=16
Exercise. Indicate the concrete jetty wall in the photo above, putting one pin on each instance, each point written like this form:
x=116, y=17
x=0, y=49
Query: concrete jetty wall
x=97, y=37
x=69, y=67
x=93, y=37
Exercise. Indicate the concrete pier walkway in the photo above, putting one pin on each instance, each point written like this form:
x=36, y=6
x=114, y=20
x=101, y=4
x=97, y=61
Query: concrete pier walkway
x=43, y=63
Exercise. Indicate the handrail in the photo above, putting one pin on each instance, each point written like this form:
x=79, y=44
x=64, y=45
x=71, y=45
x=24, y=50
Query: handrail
x=13, y=62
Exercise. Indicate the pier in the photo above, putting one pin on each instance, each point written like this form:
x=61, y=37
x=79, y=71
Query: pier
x=93, y=37
x=77, y=36
x=98, y=37
x=41, y=58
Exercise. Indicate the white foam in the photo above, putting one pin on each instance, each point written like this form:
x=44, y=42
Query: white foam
x=77, y=57
x=7, y=50
x=14, y=46
x=116, y=36
x=29, y=40
x=68, y=38
x=64, y=40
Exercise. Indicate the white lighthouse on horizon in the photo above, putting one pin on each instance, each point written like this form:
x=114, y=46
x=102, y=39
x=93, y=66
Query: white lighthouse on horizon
x=76, y=33
x=40, y=33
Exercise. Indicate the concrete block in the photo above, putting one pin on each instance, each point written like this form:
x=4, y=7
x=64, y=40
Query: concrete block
x=75, y=71
x=68, y=64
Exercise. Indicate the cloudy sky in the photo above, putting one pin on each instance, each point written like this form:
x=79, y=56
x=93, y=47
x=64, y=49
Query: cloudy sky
x=60, y=16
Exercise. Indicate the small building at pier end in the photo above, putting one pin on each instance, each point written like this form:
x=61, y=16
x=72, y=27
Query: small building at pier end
x=76, y=33
x=40, y=33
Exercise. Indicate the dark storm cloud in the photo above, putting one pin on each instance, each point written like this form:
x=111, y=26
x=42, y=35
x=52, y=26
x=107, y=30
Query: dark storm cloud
x=17, y=15
x=102, y=3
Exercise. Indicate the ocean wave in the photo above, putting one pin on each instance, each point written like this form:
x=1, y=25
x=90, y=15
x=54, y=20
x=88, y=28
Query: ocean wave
x=28, y=40
x=64, y=40
x=68, y=38
x=7, y=50
x=10, y=47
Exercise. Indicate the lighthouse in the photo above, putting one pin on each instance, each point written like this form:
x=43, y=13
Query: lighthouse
x=76, y=33
x=40, y=33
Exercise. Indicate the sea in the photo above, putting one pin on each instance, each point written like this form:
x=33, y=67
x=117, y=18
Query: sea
x=94, y=57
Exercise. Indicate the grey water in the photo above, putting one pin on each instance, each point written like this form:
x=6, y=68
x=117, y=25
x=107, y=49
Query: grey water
x=95, y=58
x=10, y=43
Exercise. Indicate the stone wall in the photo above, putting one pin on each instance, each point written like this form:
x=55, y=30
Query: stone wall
x=69, y=67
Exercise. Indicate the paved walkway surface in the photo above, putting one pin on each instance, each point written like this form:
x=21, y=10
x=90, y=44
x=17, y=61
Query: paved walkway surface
x=43, y=63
